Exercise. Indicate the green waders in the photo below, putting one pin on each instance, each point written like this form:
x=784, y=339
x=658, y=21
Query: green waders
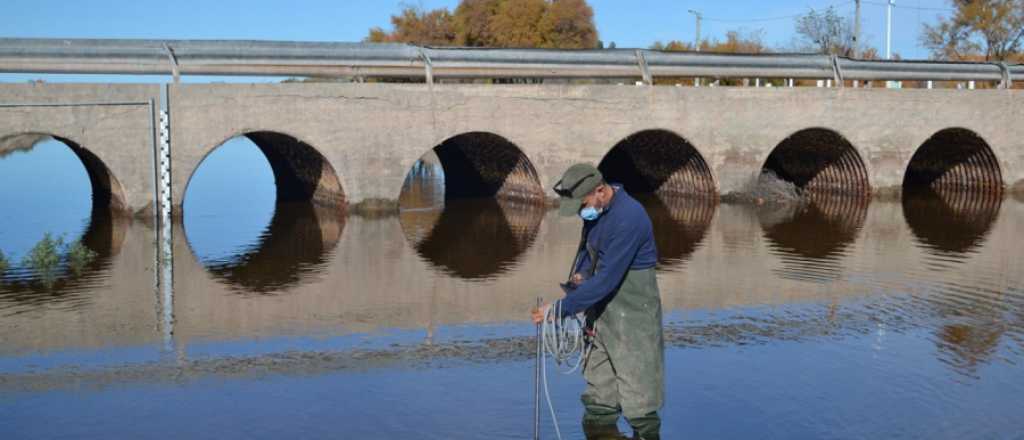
x=624, y=369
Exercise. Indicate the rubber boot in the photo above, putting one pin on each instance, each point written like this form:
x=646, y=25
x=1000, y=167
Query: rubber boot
x=600, y=422
x=647, y=427
x=602, y=432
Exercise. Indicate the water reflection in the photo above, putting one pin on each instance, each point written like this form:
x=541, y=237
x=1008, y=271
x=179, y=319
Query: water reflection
x=294, y=248
x=22, y=289
x=680, y=224
x=811, y=238
x=950, y=223
x=473, y=239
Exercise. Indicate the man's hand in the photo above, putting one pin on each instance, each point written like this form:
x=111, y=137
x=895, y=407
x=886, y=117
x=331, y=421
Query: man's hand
x=577, y=279
x=538, y=313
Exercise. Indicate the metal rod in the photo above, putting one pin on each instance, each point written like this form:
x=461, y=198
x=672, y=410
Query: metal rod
x=71, y=104
x=536, y=381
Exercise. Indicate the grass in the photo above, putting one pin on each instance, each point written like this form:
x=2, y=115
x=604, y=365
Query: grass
x=3, y=263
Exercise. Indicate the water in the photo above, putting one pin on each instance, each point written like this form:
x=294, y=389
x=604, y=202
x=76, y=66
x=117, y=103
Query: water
x=830, y=320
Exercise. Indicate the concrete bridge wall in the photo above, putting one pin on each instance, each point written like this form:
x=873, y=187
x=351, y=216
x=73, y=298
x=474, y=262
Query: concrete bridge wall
x=115, y=142
x=358, y=141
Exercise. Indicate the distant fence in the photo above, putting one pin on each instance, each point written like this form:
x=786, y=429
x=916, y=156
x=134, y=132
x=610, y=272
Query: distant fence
x=371, y=60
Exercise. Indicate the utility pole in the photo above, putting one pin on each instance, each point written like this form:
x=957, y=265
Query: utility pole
x=888, y=29
x=856, y=31
x=698, y=16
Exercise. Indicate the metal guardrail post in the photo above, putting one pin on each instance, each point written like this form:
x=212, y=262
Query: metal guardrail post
x=645, y=72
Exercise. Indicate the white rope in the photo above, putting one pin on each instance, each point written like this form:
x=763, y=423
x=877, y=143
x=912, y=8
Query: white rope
x=563, y=340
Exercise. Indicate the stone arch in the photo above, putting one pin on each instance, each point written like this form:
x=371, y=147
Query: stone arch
x=483, y=164
x=954, y=159
x=659, y=161
x=107, y=192
x=819, y=161
x=301, y=172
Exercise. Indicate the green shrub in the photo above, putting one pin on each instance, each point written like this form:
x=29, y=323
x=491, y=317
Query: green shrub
x=79, y=256
x=44, y=258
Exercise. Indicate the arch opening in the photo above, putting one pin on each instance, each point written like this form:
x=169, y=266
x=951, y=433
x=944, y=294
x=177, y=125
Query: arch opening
x=262, y=212
x=819, y=161
x=481, y=164
x=63, y=218
x=954, y=159
x=301, y=173
x=107, y=192
x=659, y=162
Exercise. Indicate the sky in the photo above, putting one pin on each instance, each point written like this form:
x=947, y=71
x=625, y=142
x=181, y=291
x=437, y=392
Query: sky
x=628, y=23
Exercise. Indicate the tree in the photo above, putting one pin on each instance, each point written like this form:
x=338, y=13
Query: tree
x=825, y=32
x=564, y=24
x=673, y=46
x=736, y=41
x=991, y=30
x=472, y=22
x=568, y=24
x=417, y=26
x=517, y=23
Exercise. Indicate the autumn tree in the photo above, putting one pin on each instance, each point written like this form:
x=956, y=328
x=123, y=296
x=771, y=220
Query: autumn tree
x=517, y=23
x=989, y=30
x=472, y=22
x=564, y=24
x=568, y=24
x=417, y=26
x=736, y=41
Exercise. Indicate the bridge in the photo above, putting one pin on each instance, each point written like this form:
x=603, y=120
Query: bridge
x=341, y=143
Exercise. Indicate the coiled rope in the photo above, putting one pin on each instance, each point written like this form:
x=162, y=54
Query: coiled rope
x=563, y=340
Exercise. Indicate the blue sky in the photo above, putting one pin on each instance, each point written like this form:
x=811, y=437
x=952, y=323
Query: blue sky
x=628, y=23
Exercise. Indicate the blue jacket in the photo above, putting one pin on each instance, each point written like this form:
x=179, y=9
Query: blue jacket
x=623, y=239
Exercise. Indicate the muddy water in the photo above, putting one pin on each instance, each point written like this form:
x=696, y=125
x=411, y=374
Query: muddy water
x=830, y=320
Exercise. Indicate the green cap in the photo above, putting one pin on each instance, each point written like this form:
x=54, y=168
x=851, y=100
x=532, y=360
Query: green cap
x=577, y=181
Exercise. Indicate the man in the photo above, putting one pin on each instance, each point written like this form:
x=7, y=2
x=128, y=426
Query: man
x=613, y=282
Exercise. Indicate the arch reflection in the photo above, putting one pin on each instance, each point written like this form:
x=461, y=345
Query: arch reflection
x=293, y=249
x=811, y=238
x=473, y=239
x=680, y=225
x=22, y=290
x=950, y=223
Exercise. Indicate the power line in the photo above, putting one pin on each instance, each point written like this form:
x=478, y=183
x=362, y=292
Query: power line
x=783, y=17
x=919, y=8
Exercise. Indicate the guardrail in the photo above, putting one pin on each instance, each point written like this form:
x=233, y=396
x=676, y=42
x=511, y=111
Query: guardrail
x=284, y=58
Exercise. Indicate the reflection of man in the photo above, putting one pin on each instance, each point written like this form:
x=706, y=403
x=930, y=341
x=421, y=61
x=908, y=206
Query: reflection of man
x=613, y=282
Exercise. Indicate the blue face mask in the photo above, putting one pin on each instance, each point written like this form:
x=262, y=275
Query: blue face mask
x=590, y=213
